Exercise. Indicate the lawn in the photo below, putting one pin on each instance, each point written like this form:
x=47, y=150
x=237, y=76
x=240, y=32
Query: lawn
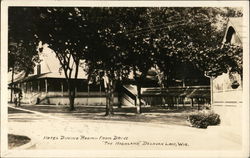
x=149, y=114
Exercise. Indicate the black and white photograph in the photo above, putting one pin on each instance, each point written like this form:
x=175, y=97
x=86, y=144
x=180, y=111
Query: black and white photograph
x=128, y=79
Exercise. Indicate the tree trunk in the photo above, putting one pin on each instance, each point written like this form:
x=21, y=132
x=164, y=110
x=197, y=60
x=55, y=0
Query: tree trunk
x=138, y=107
x=111, y=101
x=71, y=102
x=109, y=98
x=171, y=100
x=71, y=92
x=119, y=90
x=162, y=95
x=108, y=102
x=112, y=91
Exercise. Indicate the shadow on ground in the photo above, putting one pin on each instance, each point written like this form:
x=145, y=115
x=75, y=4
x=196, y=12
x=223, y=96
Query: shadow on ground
x=159, y=115
x=14, y=111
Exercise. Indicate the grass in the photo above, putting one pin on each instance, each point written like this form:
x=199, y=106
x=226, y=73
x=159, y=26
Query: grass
x=17, y=140
x=158, y=115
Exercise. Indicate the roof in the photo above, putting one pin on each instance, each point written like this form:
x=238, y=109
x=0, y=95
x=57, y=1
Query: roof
x=40, y=76
x=237, y=24
x=49, y=67
x=16, y=77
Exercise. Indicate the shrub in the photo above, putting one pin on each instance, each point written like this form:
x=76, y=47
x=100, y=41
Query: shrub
x=202, y=120
x=17, y=140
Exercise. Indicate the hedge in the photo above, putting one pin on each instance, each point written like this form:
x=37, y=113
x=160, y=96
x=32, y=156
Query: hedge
x=202, y=120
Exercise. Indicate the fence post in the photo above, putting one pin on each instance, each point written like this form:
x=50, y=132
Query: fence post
x=177, y=102
x=198, y=104
x=192, y=102
x=183, y=99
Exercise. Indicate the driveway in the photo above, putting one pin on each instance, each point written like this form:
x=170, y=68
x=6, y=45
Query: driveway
x=62, y=130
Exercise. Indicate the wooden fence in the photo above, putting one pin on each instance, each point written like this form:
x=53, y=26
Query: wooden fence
x=177, y=95
x=192, y=95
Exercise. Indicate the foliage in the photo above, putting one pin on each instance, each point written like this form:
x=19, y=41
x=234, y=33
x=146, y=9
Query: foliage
x=202, y=120
x=118, y=50
x=223, y=59
x=116, y=41
x=62, y=29
x=22, y=43
x=194, y=36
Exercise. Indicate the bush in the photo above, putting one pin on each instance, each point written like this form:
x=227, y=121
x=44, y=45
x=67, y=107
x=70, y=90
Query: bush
x=202, y=120
x=17, y=140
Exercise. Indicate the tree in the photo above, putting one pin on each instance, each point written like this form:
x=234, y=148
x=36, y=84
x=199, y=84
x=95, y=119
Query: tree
x=161, y=36
x=81, y=33
x=125, y=51
x=22, y=43
x=188, y=36
x=63, y=29
x=141, y=52
x=105, y=54
x=115, y=41
x=193, y=36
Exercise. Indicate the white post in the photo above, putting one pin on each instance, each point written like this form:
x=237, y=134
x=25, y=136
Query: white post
x=38, y=84
x=211, y=91
x=62, y=88
x=31, y=86
x=88, y=95
x=46, y=86
x=211, y=88
x=62, y=92
x=100, y=93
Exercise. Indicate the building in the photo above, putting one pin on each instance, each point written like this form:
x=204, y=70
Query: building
x=226, y=95
x=47, y=85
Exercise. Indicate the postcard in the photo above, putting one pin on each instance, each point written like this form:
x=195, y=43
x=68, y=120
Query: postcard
x=124, y=78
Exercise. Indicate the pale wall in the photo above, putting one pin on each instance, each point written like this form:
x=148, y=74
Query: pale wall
x=227, y=102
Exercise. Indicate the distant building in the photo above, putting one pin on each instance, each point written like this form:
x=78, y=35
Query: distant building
x=48, y=86
x=227, y=91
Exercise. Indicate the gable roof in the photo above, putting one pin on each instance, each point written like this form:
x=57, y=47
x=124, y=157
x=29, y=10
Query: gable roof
x=237, y=24
x=49, y=66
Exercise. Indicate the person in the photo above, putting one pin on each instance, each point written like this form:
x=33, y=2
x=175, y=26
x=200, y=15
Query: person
x=15, y=99
x=19, y=98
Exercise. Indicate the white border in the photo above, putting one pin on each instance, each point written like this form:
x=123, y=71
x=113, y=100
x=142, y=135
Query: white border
x=4, y=65
x=122, y=153
x=79, y=3
x=246, y=90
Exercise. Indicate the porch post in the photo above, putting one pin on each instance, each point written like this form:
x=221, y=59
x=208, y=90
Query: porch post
x=62, y=88
x=100, y=88
x=31, y=86
x=211, y=91
x=26, y=86
x=38, y=88
x=88, y=95
x=62, y=99
x=46, y=85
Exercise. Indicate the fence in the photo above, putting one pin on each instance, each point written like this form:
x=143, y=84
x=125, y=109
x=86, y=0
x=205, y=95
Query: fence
x=193, y=95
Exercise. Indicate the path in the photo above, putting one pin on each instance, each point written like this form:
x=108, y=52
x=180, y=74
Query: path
x=65, y=131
